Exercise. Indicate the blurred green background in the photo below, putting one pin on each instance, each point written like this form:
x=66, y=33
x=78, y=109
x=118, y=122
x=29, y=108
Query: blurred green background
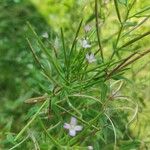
x=20, y=77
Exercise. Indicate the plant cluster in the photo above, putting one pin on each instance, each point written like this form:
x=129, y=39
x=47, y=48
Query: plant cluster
x=86, y=86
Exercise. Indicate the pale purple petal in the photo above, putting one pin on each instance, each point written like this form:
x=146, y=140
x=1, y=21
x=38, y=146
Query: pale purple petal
x=73, y=121
x=87, y=56
x=85, y=44
x=87, y=28
x=78, y=128
x=90, y=58
x=67, y=126
x=72, y=132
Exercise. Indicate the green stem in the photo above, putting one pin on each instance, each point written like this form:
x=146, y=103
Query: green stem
x=75, y=39
x=29, y=123
x=117, y=11
x=77, y=117
x=126, y=63
x=64, y=49
x=58, y=69
x=97, y=30
x=134, y=40
x=37, y=60
x=73, y=45
x=137, y=26
x=51, y=138
x=143, y=10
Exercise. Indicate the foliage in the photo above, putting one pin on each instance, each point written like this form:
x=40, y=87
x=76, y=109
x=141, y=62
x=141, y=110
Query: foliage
x=18, y=73
x=85, y=78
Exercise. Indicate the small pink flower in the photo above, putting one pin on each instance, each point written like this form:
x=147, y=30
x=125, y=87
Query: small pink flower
x=90, y=58
x=87, y=28
x=85, y=44
x=73, y=127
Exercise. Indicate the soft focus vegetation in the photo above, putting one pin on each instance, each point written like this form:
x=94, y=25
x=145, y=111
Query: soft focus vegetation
x=46, y=77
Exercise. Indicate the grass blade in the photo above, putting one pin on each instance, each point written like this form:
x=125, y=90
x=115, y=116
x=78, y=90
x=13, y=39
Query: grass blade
x=117, y=11
x=97, y=30
x=29, y=123
x=135, y=39
x=47, y=53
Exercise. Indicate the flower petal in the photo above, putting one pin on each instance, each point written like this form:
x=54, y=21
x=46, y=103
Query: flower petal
x=73, y=121
x=90, y=58
x=72, y=132
x=85, y=44
x=87, y=28
x=67, y=126
x=87, y=56
x=90, y=147
x=78, y=128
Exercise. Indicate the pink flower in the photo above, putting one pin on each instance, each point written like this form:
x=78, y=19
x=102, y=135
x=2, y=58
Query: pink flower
x=85, y=44
x=87, y=28
x=90, y=58
x=73, y=127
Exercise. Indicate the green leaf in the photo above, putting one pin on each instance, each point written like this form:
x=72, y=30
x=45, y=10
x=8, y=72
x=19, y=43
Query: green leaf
x=130, y=24
x=10, y=138
x=123, y=2
x=104, y=90
x=129, y=144
x=30, y=122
